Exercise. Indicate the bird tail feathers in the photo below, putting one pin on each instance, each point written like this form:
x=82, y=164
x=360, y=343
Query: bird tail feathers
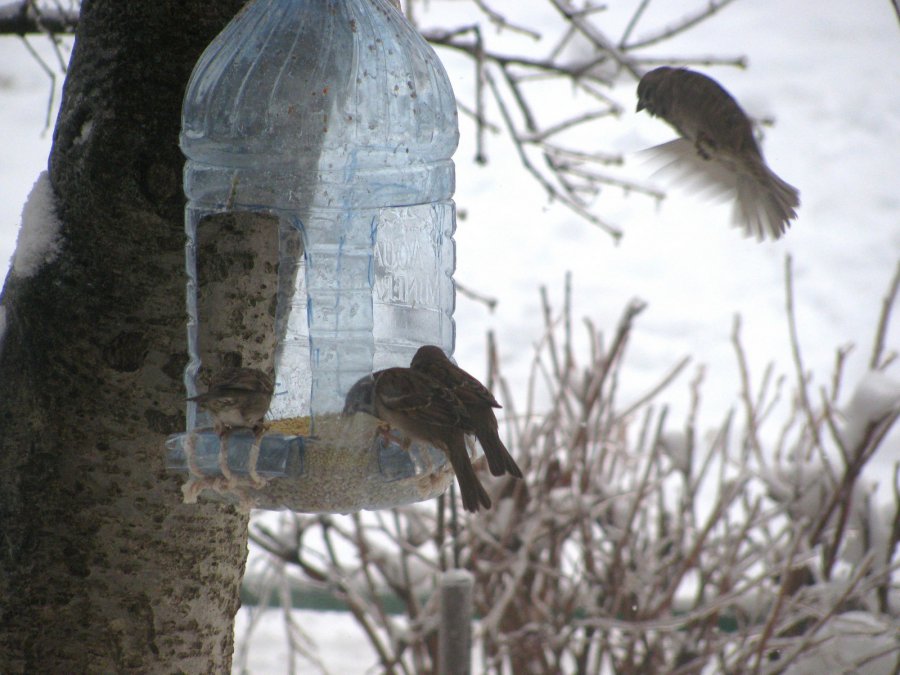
x=498, y=458
x=470, y=488
x=765, y=204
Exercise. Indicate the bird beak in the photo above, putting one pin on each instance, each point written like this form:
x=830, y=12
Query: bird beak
x=640, y=106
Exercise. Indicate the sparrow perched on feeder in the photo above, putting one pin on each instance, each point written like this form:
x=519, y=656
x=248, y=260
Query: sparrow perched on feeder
x=479, y=403
x=718, y=147
x=238, y=398
x=426, y=411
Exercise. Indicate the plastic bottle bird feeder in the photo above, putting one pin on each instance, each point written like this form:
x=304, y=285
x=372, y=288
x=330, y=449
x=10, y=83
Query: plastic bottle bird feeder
x=318, y=137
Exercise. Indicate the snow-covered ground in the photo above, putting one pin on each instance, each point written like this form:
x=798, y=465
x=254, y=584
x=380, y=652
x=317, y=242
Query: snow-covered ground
x=827, y=71
x=334, y=640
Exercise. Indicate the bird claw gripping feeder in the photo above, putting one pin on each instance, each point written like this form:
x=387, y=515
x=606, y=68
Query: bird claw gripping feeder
x=318, y=137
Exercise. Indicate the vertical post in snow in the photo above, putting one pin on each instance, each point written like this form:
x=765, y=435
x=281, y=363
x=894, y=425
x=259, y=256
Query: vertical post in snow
x=455, y=630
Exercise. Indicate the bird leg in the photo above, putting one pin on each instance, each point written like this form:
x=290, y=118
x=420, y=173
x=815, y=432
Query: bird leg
x=257, y=480
x=705, y=146
x=192, y=489
x=223, y=457
x=197, y=480
x=190, y=456
x=384, y=430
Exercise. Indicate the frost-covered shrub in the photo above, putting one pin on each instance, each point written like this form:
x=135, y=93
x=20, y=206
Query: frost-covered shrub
x=642, y=544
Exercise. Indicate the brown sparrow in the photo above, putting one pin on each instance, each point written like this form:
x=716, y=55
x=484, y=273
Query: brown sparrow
x=718, y=147
x=426, y=411
x=238, y=398
x=479, y=403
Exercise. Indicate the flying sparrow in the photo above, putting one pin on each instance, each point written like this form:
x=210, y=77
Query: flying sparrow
x=238, y=398
x=479, y=403
x=426, y=411
x=718, y=147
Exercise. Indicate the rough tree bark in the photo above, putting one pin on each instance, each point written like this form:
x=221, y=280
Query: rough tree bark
x=103, y=568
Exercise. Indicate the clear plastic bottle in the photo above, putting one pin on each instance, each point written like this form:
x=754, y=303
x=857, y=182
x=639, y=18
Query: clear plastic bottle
x=336, y=118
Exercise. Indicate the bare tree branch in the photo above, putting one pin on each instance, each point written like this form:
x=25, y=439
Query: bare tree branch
x=578, y=19
x=567, y=172
x=27, y=17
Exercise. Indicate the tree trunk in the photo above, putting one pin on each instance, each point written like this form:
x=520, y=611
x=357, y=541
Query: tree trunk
x=103, y=568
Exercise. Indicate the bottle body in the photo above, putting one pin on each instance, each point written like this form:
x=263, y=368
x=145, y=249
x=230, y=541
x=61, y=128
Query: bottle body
x=325, y=130
x=337, y=118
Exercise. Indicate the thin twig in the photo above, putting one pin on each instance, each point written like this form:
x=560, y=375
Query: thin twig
x=812, y=424
x=484, y=123
x=502, y=23
x=632, y=23
x=480, y=156
x=684, y=24
x=887, y=304
x=781, y=598
x=552, y=192
x=600, y=41
x=835, y=606
x=750, y=409
x=684, y=60
x=486, y=300
x=654, y=391
x=52, y=77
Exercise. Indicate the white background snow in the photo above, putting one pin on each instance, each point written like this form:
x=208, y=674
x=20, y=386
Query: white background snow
x=827, y=71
